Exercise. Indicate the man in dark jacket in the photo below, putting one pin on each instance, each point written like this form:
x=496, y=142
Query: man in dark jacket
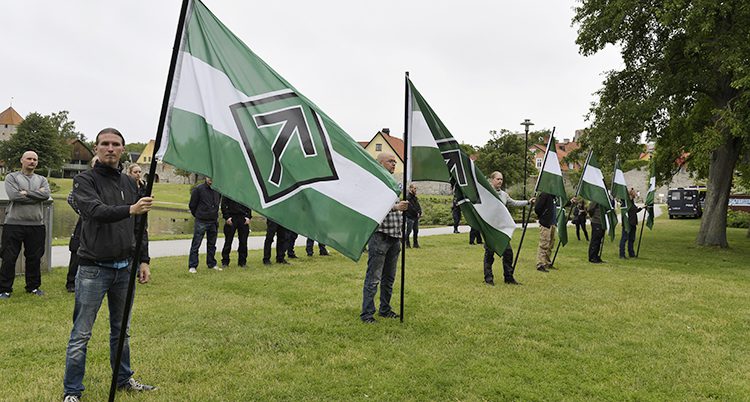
x=546, y=213
x=413, y=213
x=629, y=237
x=597, y=233
x=108, y=203
x=236, y=219
x=204, y=205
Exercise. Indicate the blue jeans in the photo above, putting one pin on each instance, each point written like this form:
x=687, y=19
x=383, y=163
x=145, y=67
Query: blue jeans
x=210, y=229
x=412, y=224
x=627, y=238
x=92, y=283
x=382, y=256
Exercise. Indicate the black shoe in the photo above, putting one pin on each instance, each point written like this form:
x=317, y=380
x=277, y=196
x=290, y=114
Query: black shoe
x=551, y=267
x=479, y=242
x=633, y=256
x=71, y=289
x=490, y=282
x=292, y=256
x=512, y=281
x=408, y=245
x=416, y=245
x=284, y=262
x=37, y=292
x=542, y=269
x=309, y=254
x=369, y=320
x=389, y=314
x=224, y=266
x=243, y=265
x=456, y=231
x=596, y=261
x=266, y=262
x=325, y=254
x=623, y=257
x=471, y=243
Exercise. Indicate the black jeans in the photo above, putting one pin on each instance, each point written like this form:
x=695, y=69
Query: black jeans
x=597, y=235
x=274, y=229
x=32, y=238
x=475, y=235
x=456, y=217
x=412, y=225
x=629, y=238
x=489, y=259
x=309, y=247
x=580, y=226
x=291, y=238
x=238, y=225
x=73, y=244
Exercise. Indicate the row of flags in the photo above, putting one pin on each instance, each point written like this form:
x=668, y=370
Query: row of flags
x=231, y=117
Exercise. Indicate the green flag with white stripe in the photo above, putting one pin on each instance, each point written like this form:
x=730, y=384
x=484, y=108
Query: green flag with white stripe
x=592, y=188
x=233, y=118
x=550, y=180
x=620, y=192
x=434, y=155
x=650, y=196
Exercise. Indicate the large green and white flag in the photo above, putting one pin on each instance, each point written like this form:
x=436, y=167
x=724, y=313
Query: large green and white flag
x=650, y=196
x=550, y=180
x=233, y=118
x=592, y=185
x=620, y=192
x=436, y=156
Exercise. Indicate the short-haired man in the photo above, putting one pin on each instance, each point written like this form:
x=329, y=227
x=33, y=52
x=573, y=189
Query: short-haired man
x=382, y=255
x=204, y=205
x=108, y=203
x=24, y=224
x=496, y=181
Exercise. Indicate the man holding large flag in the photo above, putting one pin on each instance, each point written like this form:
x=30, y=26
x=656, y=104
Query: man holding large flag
x=496, y=180
x=435, y=155
x=592, y=188
x=231, y=117
x=382, y=255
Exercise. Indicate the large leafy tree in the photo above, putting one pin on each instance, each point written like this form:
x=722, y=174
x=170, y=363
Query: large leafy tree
x=36, y=133
x=684, y=84
x=505, y=152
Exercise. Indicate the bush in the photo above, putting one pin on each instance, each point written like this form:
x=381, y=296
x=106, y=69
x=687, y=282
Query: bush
x=53, y=187
x=738, y=219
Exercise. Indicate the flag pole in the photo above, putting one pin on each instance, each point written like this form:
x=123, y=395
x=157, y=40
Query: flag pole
x=141, y=228
x=640, y=236
x=404, y=191
x=524, y=218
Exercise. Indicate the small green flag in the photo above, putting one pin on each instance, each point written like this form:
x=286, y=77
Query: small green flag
x=620, y=192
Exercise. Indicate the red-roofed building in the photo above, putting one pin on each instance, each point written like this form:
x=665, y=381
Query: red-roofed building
x=384, y=142
x=563, y=149
x=9, y=120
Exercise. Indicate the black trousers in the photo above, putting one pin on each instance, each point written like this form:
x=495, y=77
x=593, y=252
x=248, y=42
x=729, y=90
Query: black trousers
x=32, y=238
x=489, y=259
x=311, y=243
x=291, y=238
x=456, y=217
x=274, y=229
x=580, y=226
x=475, y=235
x=238, y=225
x=73, y=244
x=597, y=235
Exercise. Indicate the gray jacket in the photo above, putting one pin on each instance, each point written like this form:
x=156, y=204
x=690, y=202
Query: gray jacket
x=505, y=198
x=27, y=210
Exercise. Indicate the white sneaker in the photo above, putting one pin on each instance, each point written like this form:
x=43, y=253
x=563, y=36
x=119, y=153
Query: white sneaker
x=192, y=270
x=71, y=398
x=216, y=268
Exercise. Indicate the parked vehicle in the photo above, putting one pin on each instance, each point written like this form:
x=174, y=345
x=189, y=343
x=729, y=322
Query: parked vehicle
x=686, y=202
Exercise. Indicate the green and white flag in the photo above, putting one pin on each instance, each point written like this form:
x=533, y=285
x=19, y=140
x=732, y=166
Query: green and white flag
x=650, y=196
x=436, y=156
x=592, y=185
x=233, y=118
x=620, y=192
x=550, y=180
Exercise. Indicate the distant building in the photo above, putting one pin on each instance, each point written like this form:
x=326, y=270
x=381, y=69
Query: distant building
x=79, y=158
x=165, y=173
x=9, y=121
x=563, y=149
x=384, y=142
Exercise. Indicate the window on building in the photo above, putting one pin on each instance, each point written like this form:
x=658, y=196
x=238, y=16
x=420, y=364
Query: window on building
x=538, y=163
x=570, y=165
x=378, y=147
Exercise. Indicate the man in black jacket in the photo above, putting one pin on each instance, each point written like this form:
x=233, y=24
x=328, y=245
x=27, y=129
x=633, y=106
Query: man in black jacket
x=597, y=233
x=236, y=219
x=108, y=203
x=413, y=213
x=629, y=237
x=204, y=205
x=546, y=212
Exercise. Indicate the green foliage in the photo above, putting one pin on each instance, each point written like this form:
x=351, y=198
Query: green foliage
x=37, y=133
x=661, y=327
x=738, y=219
x=505, y=153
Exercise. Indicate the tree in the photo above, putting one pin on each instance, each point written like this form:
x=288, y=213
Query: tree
x=36, y=133
x=65, y=128
x=505, y=152
x=684, y=84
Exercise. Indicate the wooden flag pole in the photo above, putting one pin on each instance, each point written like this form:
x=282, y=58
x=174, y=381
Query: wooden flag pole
x=640, y=236
x=141, y=228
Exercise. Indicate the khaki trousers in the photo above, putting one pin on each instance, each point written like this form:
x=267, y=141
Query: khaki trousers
x=546, y=240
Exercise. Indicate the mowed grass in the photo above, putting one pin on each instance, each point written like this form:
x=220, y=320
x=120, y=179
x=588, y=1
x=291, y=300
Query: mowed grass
x=670, y=325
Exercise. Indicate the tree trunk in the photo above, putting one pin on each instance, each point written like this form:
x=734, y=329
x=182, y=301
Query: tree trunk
x=713, y=231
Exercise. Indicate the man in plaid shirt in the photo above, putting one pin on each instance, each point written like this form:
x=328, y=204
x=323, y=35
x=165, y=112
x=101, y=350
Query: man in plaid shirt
x=383, y=249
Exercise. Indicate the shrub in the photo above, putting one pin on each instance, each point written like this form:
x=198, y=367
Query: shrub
x=738, y=219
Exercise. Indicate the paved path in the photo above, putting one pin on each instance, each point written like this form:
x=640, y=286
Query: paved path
x=170, y=248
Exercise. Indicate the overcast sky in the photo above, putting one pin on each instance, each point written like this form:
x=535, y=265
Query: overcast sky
x=482, y=65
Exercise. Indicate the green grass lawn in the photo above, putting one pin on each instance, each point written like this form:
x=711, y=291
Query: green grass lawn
x=671, y=325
